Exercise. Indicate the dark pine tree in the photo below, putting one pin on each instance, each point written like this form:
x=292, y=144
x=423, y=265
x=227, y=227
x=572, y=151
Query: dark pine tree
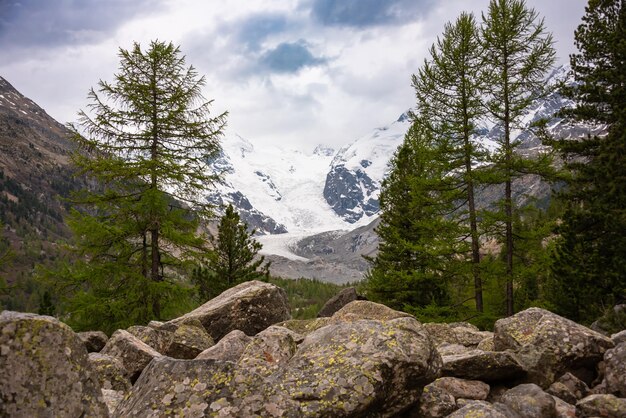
x=589, y=270
x=418, y=240
x=233, y=260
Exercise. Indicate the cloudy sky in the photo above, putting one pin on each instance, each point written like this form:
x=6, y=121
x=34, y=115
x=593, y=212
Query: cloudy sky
x=290, y=72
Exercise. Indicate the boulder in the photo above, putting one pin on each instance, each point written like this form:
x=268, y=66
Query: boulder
x=615, y=370
x=606, y=406
x=110, y=372
x=229, y=348
x=574, y=386
x=305, y=326
x=486, y=344
x=188, y=341
x=198, y=388
x=44, y=370
x=94, y=340
x=530, y=401
x=441, y=333
x=361, y=367
x=469, y=337
x=436, y=402
x=362, y=309
x=131, y=351
x=619, y=337
x=548, y=344
x=461, y=388
x=486, y=366
x=338, y=301
x=563, y=409
x=112, y=399
x=446, y=349
x=559, y=390
x=249, y=307
x=155, y=337
x=483, y=410
x=269, y=350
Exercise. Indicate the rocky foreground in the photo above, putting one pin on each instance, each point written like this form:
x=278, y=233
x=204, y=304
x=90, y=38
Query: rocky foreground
x=239, y=355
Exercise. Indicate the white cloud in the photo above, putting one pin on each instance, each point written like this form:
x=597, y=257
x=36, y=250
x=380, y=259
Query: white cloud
x=352, y=75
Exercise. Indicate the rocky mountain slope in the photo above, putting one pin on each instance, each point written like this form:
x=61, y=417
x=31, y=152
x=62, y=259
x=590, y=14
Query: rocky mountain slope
x=34, y=173
x=239, y=355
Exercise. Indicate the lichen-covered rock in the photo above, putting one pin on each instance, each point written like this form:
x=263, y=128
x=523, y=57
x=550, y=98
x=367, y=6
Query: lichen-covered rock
x=576, y=387
x=480, y=409
x=155, y=337
x=486, y=344
x=446, y=349
x=112, y=399
x=269, y=349
x=436, y=402
x=486, y=366
x=110, y=372
x=461, y=388
x=441, y=333
x=553, y=344
x=229, y=348
x=199, y=388
x=615, y=370
x=562, y=392
x=363, y=309
x=305, y=326
x=361, y=367
x=338, y=301
x=94, y=340
x=470, y=337
x=188, y=341
x=131, y=351
x=619, y=337
x=606, y=406
x=563, y=409
x=44, y=370
x=249, y=307
x=530, y=401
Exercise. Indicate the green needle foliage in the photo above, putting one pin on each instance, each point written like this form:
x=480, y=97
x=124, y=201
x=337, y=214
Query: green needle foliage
x=448, y=90
x=517, y=54
x=418, y=241
x=146, y=141
x=233, y=260
x=589, y=269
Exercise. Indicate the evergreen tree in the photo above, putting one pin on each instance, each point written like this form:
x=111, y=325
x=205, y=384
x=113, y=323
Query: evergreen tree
x=418, y=241
x=589, y=272
x=448, y=89
x=517, y=54
x=233, y=260
x=146, y=141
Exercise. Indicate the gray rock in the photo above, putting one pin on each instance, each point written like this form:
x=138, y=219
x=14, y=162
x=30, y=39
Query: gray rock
x=94, y=340
x=188, y=341
x=461, y=388
x=549, y=345
x=198, y=388
x=112, y=399
x=486, y=366
x=110, y=372
x=338, y=301
x=530, y=401
x=45, y=370
x=619, y=337
x=486, y=344
x=607, y=406
x=249, y=307
x=269, y=350
x=563, y=409
x=361, y=367
x=446, y=349
x=229, y=348
x=559, y=390
x=131, y=351
x=156, y=338
x=436, y=402
x=615, y=370
x=482, y=410
x=362, y=309
x=577, y=387
x=305, y=326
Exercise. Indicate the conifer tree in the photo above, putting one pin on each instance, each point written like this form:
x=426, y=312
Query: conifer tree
x=448, y=89
x=418, y=240
x=589, y=272
x=517, y=54
x=146, y=141
x=233, y=260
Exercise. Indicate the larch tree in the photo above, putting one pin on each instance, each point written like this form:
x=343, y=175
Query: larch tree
x=419, y=242
x=518, y=52
x=234, y=258
x=146, y=141
x=448, y=89
x=589, y=269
